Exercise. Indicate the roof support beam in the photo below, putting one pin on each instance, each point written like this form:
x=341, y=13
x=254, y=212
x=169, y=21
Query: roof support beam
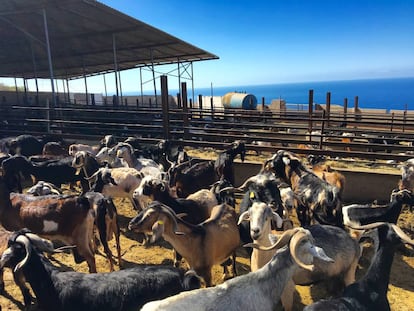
x=49, y=57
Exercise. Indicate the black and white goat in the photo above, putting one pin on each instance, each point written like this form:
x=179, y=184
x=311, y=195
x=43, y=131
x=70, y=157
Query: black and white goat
x=126, y=289
x=317, y=200
x=357, y=214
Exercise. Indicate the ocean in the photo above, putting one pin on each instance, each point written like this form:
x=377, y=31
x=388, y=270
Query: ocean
x=395, y=93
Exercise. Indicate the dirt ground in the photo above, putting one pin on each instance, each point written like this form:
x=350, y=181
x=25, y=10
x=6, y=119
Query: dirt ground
x=401, y=287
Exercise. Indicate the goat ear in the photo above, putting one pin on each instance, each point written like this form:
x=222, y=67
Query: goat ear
x=243, y=217
x=277, y=219
x=157, y=230
x=319, y=253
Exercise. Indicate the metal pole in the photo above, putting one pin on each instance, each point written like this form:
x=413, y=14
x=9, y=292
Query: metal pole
x=153, y=78
x=142, y=93
x=67, y=87
x=179, y=75
x=115, y=66
x=120, y=85
x=49, y=58
x=17, y=91
x=106, y=92
x=86, y=85
x=192, y=82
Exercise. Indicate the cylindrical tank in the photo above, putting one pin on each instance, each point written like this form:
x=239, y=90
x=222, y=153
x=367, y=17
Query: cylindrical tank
x=236, y=100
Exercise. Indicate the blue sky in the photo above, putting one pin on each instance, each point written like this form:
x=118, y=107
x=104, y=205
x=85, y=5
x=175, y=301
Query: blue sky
x=265, y=42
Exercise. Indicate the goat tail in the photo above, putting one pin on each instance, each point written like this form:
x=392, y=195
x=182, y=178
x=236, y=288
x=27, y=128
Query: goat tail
x=191, y=280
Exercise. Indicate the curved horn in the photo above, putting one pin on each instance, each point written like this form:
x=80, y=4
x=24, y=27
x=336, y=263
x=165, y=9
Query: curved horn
x=368, y=226
x=247, y=183
x=26, y=242
x=294, y=247
x=40, y=243
x=170, y=212
x=93, y=175
x=402, y=235
x=283, y=240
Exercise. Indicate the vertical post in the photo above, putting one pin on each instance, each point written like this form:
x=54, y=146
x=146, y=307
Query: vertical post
x=86, y=86
x=263, y=110
x=49, y=58
x=392, y=121
x=356, y=109
x=179, y=99
x=142, y=93
x=310, y=109
x=185, y=108
x=404, y=120
x=67, y=87
x=165, y=108
x=192, y=82
x=200, y=104
x=179, y=74
x=120, y=85
x=191, y=103
x=115, y=68
x=153, y=76
x=106, y=91
x=17, y=91
x=322, y=130
x=212, y=107
x=328, y=107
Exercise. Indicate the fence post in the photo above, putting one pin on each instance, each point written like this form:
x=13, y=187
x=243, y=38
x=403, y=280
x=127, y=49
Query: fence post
x=322, y=130
x=165, y=108
x=356, y=109
x=137, y=103
x=392, y=121
x=200, y=105
x=328, y=108
x=212, y=107
x=179, y=100
x=310, y=109
x=185, y=108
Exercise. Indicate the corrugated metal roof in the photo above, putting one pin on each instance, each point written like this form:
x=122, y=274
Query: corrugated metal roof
x=81, y=40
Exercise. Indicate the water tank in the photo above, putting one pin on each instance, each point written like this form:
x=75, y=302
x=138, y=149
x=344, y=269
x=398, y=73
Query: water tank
x=236, y=100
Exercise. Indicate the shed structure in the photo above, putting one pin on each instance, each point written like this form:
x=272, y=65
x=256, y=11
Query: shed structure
x=71, y=39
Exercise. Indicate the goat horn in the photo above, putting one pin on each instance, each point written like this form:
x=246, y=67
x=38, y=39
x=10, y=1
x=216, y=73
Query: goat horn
x=168, y=210
x=40, y=243
x=26, y=242
x=63, y=248
x=294, y=246
x=368, y=226
x=247, y=183
x=402, y=235
x=283, y=240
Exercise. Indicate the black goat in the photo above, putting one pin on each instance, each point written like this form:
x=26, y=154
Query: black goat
x=127, y=289
x=370, y=293
x=357, y=215
x=202, y=175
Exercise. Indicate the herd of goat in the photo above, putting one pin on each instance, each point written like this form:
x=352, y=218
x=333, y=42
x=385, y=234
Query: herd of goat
x=190, y=203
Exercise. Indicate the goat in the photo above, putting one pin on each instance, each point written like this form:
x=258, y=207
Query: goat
x=106, y=219
x=196, y=207
x=370, y=292
x=407, y=175
x=126, y=289
x=117, y=182
x=325, y=172
x=54, y=149
x=43, y=188
x=260, y=188
x=317, y=200
x=336, y=242
x=66, y=218
x=104, y=156
x=255, y=291
x=83, y=147
x=17, y=276
x=86, y=165
x=202, y=245
x=125, y=152
x=106, y=222
x=56, y=172
x=202, y=175
x=25, y=145
x=357, y=214
x=108, y=141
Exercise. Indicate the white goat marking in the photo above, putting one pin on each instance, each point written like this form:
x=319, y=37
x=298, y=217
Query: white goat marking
x=346, y=219
x=50, y=226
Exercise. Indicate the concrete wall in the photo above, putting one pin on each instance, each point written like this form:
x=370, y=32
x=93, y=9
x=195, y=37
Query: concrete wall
x=360, y=187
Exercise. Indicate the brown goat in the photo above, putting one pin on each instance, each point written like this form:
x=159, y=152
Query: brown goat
x=69, y=219
x=204, y=245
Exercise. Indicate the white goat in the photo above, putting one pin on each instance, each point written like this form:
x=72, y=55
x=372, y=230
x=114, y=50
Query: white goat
x=335, y=241
x=82, y=147
x=255, y=291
